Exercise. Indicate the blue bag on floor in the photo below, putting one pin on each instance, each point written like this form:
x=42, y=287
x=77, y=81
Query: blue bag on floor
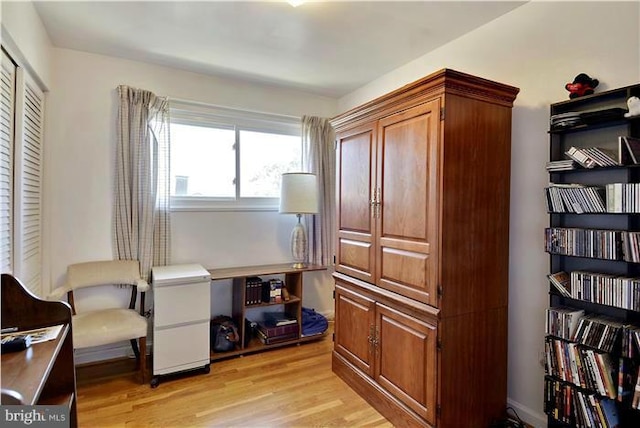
x=313, y=322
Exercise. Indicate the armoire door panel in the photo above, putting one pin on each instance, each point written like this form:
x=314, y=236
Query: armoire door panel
x=409, y=376
x=406, y=273
x=354, y=328
x=407, y=176
x=356, y=256
x=405, y=173
x=354, y=209
x=355, y=183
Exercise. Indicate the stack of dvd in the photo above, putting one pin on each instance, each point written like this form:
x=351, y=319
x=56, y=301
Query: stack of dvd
x=565, y=120
x=561, y=165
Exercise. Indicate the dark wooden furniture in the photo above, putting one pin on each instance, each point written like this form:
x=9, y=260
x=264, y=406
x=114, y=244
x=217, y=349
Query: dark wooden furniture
x=422, y=250
x=240, y=310
x=601, y=126
x=43, y=374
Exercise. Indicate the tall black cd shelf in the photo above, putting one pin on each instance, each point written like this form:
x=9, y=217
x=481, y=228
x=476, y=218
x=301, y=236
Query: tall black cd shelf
x=592, y=348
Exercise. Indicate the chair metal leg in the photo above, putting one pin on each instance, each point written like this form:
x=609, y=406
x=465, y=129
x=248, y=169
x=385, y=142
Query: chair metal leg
x=141, y=356
x=136, y=352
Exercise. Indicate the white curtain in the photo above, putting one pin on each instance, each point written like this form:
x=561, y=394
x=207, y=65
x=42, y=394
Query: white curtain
x=319, y=157
x=141, y=212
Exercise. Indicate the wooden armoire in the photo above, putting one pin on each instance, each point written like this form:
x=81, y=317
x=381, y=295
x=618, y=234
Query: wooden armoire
x=422, y=251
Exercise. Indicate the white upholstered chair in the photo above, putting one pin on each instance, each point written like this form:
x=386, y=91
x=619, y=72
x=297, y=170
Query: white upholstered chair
x=97, y=326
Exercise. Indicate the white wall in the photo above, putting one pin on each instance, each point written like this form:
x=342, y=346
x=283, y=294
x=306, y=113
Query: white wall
x=538, y=47
x=80, y=152
x=26, y=38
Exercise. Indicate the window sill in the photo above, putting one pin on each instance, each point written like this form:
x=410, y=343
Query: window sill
x=182, y=204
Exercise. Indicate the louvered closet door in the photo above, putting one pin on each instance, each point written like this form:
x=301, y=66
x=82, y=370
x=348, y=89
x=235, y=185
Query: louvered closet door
x=7, y=113
x=406, y=258
x=28, y=189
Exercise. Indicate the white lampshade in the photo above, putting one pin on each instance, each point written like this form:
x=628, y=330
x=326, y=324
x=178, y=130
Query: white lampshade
x=299, y=193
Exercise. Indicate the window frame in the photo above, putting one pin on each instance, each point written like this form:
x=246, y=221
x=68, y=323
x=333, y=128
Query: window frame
x=201, y=114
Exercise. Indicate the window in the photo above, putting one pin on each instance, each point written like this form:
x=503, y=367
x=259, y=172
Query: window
x=21, y=137
x=230, y=159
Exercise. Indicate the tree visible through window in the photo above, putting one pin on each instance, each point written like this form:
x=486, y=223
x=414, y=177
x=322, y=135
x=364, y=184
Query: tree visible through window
x=263, y=159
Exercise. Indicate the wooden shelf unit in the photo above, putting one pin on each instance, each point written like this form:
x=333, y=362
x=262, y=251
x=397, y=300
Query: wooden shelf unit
x=293, y=283
x=44, y=373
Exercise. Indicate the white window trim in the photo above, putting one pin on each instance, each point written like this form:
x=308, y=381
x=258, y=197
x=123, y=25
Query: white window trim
x=201, y=114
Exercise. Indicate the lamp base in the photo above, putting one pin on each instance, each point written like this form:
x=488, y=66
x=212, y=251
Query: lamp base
x=299, y=245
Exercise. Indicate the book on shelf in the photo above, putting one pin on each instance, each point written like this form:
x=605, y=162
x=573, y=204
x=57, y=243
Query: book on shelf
x=276, y=319
x=562, y=282
x=590, y=157
x=283, y=330
x=631, y=246
x=630, y=341
x=563, y=321
x=580, y=157
x=597, y=332
x=575, y=198
x=598, y=415
x=635, y=403
x=592, y=243
x=253, y=290
x=561, y=165
x=622, y=197
x=632, y=146
x=605, y=289
x=605, y=367
x=272, y=291
x=602, y=157
x=277, y=339
x=576, y=407
x=627, y=379
x=610, y=411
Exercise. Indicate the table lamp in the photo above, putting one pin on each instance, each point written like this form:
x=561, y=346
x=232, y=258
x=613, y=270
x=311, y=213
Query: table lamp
x=299, y=195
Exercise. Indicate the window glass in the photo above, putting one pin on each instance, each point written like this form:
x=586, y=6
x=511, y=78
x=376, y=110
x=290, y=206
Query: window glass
x=230, y=159
x=203, y=161
x=264, y=158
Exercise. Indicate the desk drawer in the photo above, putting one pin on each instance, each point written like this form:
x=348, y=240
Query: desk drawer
x=181, y=348
x=180, y=304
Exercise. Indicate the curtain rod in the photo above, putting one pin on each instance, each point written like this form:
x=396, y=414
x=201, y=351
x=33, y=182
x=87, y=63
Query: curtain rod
x=204, y=104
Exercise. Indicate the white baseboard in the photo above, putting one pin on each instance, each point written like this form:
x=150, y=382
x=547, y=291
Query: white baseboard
x=530, y=416
x=328, y=314
x=123, y=349
x=106, y=352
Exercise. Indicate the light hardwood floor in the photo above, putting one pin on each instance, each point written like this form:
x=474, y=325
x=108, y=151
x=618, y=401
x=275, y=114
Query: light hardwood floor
x=287, y=387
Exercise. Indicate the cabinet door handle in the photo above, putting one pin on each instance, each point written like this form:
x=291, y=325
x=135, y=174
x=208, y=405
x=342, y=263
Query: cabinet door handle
x=375, y=203
x=375, y=341
x=371, y=337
